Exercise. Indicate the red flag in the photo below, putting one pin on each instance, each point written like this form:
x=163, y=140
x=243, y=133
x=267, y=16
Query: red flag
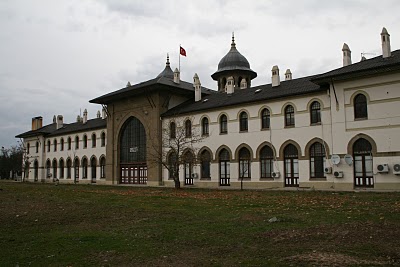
x=182, y=51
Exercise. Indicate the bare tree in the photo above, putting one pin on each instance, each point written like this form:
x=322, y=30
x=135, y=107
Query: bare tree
x=178, y=146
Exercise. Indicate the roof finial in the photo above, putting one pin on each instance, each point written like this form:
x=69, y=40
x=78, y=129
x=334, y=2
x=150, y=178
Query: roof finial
x=167, y=59
x=233, y=39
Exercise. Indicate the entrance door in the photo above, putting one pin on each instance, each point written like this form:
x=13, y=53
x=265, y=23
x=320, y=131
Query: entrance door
x=224, y=168
x=291, y=166
x=133, y=167
x=134, y=174
x=363, y=167
x=188, y=174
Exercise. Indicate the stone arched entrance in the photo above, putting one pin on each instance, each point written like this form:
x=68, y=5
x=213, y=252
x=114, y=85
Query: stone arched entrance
x=132, y=143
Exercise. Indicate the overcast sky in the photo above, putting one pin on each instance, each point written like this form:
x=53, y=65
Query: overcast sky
x=57, y=55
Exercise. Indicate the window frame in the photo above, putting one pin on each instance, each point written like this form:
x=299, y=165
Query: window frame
x=223, y=124
x=315, y=113
x=188, y=128
x=360, y=107
x=205, y=131
x=289, y=116
x=265, y=119
x=243, y=122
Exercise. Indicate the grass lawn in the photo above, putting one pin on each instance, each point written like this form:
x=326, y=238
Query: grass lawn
x=85, y=225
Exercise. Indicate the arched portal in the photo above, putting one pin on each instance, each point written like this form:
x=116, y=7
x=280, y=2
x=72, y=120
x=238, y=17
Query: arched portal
x=133, y=163
x=363, y=171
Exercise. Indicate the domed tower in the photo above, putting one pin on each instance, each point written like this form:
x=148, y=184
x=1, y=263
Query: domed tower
x=234, y=65
x=167, y=72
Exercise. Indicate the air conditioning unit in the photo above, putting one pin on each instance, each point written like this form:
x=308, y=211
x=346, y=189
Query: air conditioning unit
x=338, y=174
x=383, y=168
x=195, y=175
x=276, y=174
x=328, y=170
x=396, y=169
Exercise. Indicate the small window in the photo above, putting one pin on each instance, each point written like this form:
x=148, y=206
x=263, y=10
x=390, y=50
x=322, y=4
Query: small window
x=103, y=139
x=223, y=124
x=48, y=145
x=315, y=112
x=61, y=168
x=205, y=164
x=37, y=147
x=360, y=107
x=55, y=145
x=54, y=169
x=69, y=165
x=77, y=142
x=243, y=122
x=172, y=165
x=265, y=119
x=85, y=141
x=28, y=146
x=94, y=140
x=244, y=163
x=84, y=168
x=188, y=128
x=103, y=167
x=69, y=144
x=172, y=130
x=62, y=144
x=205, y=127
x=289, y=116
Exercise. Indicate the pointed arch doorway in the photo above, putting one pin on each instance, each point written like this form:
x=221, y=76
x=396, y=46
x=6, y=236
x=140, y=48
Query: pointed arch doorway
x=363, y=170
x=132, y=143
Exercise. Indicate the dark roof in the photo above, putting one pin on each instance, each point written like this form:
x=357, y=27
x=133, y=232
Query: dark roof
x=149, y=86
x=233, y=60
x=370, y=66
x=241, y=96
x=50, y=130
x=167, y=72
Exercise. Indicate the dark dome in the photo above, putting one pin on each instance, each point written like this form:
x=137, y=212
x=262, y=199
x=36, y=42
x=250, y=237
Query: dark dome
x=167, y=72
x=233, y=61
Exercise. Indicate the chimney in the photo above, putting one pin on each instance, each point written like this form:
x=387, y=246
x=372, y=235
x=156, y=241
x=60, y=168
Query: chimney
x=385, y=37
x=288, y=75
x=243, y=84
x=346, y=55
x=60, y=121
x=37, y=123
x=78, y=118
x=197, y=88
x=98, y=114
x=128, y=84
x=276, y=81
x=177, y=76
x=85, y=116
x=103, y=113
x=230, y=85
x=54, y=119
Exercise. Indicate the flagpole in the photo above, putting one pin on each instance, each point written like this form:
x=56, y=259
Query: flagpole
x=179, y=57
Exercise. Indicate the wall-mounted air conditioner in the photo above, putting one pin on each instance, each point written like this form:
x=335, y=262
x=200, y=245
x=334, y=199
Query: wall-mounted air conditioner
x=328, y=170
x=396, y=169
x=276, y=174
x=338, y=174
x=383, y=168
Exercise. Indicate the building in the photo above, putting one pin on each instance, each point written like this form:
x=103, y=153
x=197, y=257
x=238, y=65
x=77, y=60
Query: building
x=335, y=130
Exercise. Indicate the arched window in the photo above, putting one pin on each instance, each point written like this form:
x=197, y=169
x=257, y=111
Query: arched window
x=315, y=112
x=28, y=146
x=48, y=145
x=93, y=168
x=85, y=141
x=291, y=166
x=360, y=107
x=55, y=145
x=103, y=167
x=94, y=140
x=69, y=143
x=289, y=116
x=103, y=139
x=244, y=124
x=224, y=167
x=69, y=165
x=244, y=163
x=84, y=168
x=54, y=168
x=172, y=130
x=265, y=119
x=204, y=126
x=266, y=162
x=61, y=168
x=172, y=168
x=36, y=170
x=76, y=167
x=188, y=167
x=317, y=161
x=76, y=142
x=363, y=165
x=48, y=166
x=37, y=147
x=62, y=144
x=205, y=164
x=188, y=128
x=223, y=124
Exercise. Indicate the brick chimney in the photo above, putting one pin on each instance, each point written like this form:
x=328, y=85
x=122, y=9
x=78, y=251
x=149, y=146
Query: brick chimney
x=37, y=123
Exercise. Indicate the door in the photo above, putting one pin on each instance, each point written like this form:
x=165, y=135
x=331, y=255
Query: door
x=134, y=174
x=363, y=165
x=188, y=174
x=291, y=166
x=224, y=168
